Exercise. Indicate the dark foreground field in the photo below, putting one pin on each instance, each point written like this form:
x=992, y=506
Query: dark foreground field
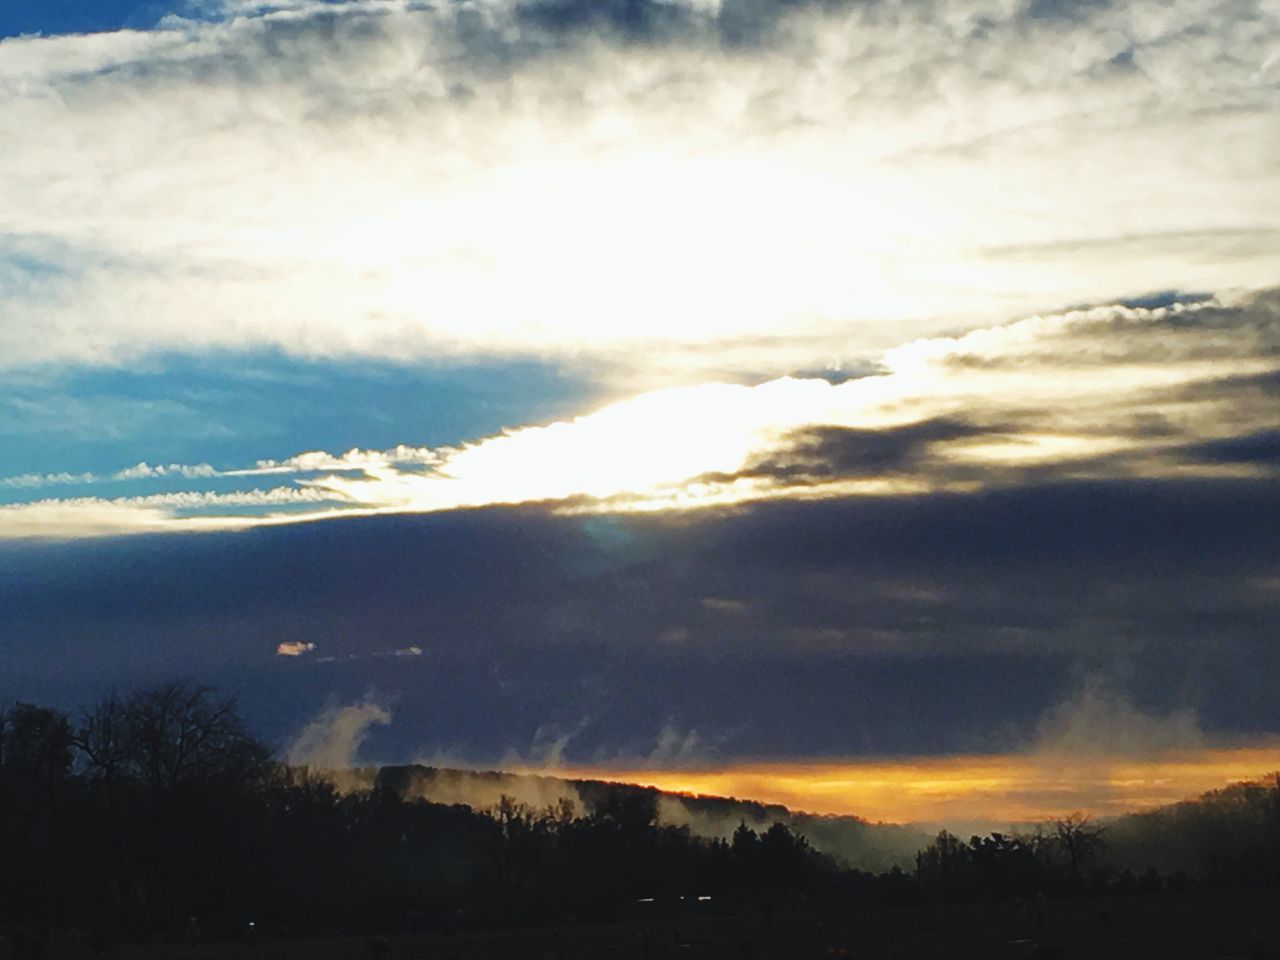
x=1171, y=926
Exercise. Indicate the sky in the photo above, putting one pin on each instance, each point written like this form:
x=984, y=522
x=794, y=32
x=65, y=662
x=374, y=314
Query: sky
x=681, y=389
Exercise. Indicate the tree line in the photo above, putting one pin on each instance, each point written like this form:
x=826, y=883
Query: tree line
x=160, y=815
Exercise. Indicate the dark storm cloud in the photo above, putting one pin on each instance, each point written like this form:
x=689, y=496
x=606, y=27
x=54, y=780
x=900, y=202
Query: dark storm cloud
x=1073, y=528
x=835, y=619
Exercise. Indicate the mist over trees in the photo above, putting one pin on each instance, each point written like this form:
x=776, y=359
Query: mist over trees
x=159, y=814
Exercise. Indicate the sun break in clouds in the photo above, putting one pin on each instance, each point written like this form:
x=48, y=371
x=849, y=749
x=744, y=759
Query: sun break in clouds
x=1103, y=393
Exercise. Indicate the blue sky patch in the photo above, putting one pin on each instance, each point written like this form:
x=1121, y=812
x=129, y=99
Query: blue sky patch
x=231, y=410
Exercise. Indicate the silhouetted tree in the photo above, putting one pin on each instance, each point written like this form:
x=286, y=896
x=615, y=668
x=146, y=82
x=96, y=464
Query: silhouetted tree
x=35, y=747
x=1004, y=866
x=104, y=741
x=943, y=867
x=181, y=734
x=1080, y=840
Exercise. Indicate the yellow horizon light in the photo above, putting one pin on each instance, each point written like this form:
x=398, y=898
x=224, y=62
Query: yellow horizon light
x=1013, y=788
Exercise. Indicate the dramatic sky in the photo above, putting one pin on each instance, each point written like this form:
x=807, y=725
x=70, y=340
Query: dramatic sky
x=756, y=396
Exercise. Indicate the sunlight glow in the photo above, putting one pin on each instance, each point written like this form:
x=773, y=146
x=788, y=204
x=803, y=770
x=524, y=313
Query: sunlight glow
x=1076, y=392
x=698, y=446
x=1001, y=789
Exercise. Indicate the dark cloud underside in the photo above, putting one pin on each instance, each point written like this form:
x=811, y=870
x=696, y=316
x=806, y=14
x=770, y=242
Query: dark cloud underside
x=837, y=620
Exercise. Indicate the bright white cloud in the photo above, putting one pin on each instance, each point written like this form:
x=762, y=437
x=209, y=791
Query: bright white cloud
x=90, y=517
x=1062, y=391
x=146, y=470
x=1100, y=393
x=313, y=461
x=355, y=459
x=191, y=510
x=188, y=499
x=789, y=189
x=33, y=480
x=139, y=471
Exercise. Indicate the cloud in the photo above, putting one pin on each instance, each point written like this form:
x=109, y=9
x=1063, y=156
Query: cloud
x=332, y=740
x=547, y=748
x=189, y=511
x=1094, y=751
x=824, y=453
x=658, y=186
x=1262, y=447
x=313, y=461
x=986, y=605
x=92, y=517
x=294, y=648
x=1100, y=723
x=146, y=471
x=677, y=747
x=28, y=481
x=1110, y=391
x=1100, y=393
x=1099, y=751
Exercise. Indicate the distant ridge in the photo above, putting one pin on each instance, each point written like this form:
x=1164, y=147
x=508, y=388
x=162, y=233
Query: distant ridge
x=867, y=846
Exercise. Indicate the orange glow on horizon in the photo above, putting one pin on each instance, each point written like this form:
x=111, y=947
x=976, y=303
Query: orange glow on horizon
x=998, y=788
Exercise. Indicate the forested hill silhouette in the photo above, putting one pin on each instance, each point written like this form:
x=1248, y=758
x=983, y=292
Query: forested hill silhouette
x=869, y=846
x=158, y=815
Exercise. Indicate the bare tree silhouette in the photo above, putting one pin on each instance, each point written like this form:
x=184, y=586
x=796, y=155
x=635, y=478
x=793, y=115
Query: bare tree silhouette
x=1079, y=839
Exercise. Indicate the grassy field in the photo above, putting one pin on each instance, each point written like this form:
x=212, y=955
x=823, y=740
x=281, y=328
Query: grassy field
x=1204, y=927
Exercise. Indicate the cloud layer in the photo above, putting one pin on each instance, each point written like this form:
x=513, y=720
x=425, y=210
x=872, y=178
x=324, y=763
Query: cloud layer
x=655, y=185
x=888, y=625
x=1186, y=390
